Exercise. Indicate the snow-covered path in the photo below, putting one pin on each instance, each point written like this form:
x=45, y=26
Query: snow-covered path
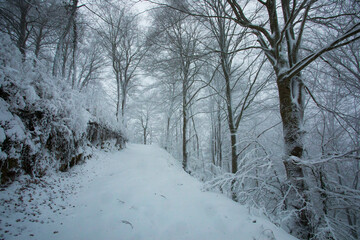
x=142, y=193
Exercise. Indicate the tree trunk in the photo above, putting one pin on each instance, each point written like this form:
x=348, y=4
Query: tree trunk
x=59, y=47
x=64, y=60
x=123, y=104
x=291, y=96
x=167, y=134
x=213, y=139
x=118, y=96
x=184, y=114
x=232, y=128
x=145, y=135
x=21, y=43
x=184, y=140
x=219, y=144
x=75, y=40
x=38, y=41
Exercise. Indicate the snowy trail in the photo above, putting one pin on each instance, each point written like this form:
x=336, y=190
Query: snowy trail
x=142, y=193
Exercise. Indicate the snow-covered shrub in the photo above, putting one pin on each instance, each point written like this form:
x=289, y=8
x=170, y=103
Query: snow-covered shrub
x=332, y=191
x=99, y=134
x=259, y=182
x=43, y=122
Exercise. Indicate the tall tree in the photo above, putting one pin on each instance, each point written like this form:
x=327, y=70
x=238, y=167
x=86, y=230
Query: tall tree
x=15, y=20
x=281, y=37
x=59, y=53
x=125, y=47
x=280, y=29
x=241, y=84
x=180, y=46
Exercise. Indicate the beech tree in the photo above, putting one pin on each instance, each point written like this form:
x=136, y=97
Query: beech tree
x=125, y=47
x=91, y=63
x=50, y=17
x=144, y=107
x=180, y=46
x=16, y=21
x=282, y=30
x=28, y=23
x=280, y=35
x=60, y=53
x=241, y=84
x=333, y=144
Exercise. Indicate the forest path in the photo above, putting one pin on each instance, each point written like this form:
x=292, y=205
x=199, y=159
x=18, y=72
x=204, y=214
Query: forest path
x=142, y=193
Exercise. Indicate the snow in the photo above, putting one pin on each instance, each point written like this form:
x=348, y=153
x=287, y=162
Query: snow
x=16, y=129
x=2, y=135
x=137, y=193
x=5, y=114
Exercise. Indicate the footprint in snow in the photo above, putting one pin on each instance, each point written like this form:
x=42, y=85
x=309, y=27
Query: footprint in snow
x=161, y=195
x=128, y=223
x=133, y=208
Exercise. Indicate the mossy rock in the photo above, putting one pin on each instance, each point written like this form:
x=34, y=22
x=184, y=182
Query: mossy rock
x=9, y=170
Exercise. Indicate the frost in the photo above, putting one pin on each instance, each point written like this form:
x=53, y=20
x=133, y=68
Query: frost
x=31, y=95
x=44, y=120
x=16, y=130
x=5, y=114
x=3, y=155
x=2, y=135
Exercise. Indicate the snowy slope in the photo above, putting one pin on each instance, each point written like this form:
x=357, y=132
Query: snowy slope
x=138, y=193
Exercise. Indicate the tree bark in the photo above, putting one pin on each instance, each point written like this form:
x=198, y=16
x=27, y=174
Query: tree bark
x=75, y=41
x=184, y=140
x=59, y=47
x=118, y=95
x=21, y=43
x=145, y=136
x=232, y=128
x=38, y=41
x=167, y=133
x=231, y=123
x=291, y=96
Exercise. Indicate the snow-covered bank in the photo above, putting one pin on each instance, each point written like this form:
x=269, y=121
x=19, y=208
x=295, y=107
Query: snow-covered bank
x=138, y=193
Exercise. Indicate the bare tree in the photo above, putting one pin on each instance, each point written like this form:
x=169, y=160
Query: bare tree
x=241, y=84
x=60, y=55
x=180, y=42
x=280, y=28
x=15, y=20
x=125, y=47
x=281, y=42
x=49, y=19
x=91, y=63
x=334, y=139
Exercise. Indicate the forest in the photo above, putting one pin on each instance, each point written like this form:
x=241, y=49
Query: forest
x=258, y=99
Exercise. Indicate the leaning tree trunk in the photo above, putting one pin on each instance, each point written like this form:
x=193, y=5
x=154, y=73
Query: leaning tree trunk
x=123, y=101
x=38, y=40
x=118, y=94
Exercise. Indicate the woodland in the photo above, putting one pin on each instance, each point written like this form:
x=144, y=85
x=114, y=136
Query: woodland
x=259, y=99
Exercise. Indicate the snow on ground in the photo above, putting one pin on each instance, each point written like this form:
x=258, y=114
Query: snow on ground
x=138, y=193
